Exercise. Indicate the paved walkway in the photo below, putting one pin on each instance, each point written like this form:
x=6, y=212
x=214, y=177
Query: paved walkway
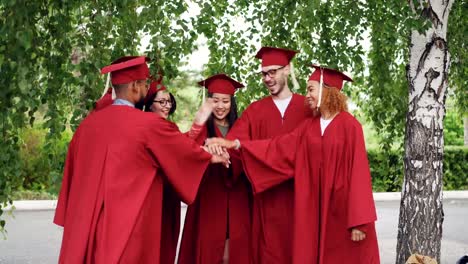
x=32, y=238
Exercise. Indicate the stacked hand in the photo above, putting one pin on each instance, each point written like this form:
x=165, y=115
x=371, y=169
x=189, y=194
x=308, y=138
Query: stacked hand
x=218, y=148
x=218, y=156
x=223, y=143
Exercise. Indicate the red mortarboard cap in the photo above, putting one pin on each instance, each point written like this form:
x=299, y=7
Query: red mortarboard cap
x=221, y=83
x=155, y=87
x=331, y=77
x=275, y=56
x=127, y=69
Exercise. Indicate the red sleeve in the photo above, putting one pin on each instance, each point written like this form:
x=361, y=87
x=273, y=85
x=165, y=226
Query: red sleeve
x=182, y=159
x=361, y=207
x=62, y=202
x=242, y=131
x=195, y=132
x=363, y=228
x=270, y=162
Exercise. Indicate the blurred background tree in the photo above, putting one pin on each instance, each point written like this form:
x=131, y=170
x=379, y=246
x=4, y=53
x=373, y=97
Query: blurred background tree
x=51, y=52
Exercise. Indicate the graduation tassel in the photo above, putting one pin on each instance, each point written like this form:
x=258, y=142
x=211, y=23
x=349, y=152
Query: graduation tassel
x=114, y=95
x=320, y=89
x=293, y=77
x=106, y=87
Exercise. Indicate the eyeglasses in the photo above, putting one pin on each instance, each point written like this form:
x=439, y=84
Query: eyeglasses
x=163, y=102
x=270, y=73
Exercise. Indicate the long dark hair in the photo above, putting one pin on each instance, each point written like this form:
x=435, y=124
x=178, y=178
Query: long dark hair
x=150, y=100
x=231, y=117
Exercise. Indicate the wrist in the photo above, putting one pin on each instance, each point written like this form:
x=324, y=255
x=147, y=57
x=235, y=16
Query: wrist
x=196, y=126
x=236, y=144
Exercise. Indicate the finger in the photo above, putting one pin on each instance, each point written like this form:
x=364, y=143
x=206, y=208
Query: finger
x=210, y=149
x=219, y=150
x=357, y=237
x=214, y=150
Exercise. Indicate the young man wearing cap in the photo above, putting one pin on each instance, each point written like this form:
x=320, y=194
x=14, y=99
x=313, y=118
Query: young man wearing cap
x=110, y=203
x=326, y=155
x=271, y=116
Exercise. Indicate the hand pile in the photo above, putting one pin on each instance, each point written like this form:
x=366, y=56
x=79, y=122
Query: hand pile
x=218, y=148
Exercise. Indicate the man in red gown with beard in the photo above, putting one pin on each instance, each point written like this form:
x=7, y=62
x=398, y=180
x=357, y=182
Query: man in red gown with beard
x=279, y=113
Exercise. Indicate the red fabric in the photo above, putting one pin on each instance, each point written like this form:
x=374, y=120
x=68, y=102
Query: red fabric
x=271, y=233
x=110, y=203
x=275, y=56
x=331, y=77
x=333, y=190
x=170, y=225
x=104, y=101
x=221, y=83
x=127, y=69
x=221, y=207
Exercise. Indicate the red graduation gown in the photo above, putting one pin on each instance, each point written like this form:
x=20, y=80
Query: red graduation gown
x=271, y=232
x=110, y=203
x=104, y=101
x=221, y=207
x=170, y=226
x=333, y=191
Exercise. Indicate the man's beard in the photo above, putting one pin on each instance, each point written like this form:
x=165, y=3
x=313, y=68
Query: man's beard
x=140, y=103
x=281, y=83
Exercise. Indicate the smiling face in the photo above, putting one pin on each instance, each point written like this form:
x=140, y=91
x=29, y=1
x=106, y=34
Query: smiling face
x=222, y=106
x=333, y=100
x=312, y=93
x=274, y=77
x=162, y=104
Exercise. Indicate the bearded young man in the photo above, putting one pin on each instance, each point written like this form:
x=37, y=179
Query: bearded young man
x=276, y=114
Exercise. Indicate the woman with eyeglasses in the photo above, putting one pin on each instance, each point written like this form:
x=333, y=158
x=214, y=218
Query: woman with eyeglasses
x=217, y=224
x=159, y=100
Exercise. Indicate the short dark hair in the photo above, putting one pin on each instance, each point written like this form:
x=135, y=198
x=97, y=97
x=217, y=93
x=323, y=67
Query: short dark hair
x=120, y=86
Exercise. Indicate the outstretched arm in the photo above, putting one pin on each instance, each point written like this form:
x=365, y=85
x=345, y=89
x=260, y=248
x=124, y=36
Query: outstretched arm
x=268, y=162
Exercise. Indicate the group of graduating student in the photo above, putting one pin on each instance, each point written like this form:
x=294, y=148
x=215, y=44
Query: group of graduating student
x=288, y=182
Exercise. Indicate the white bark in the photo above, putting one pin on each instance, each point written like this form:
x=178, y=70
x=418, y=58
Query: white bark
x=421, y=212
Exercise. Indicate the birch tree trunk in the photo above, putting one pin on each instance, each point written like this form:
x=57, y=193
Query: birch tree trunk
x=421, y=212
